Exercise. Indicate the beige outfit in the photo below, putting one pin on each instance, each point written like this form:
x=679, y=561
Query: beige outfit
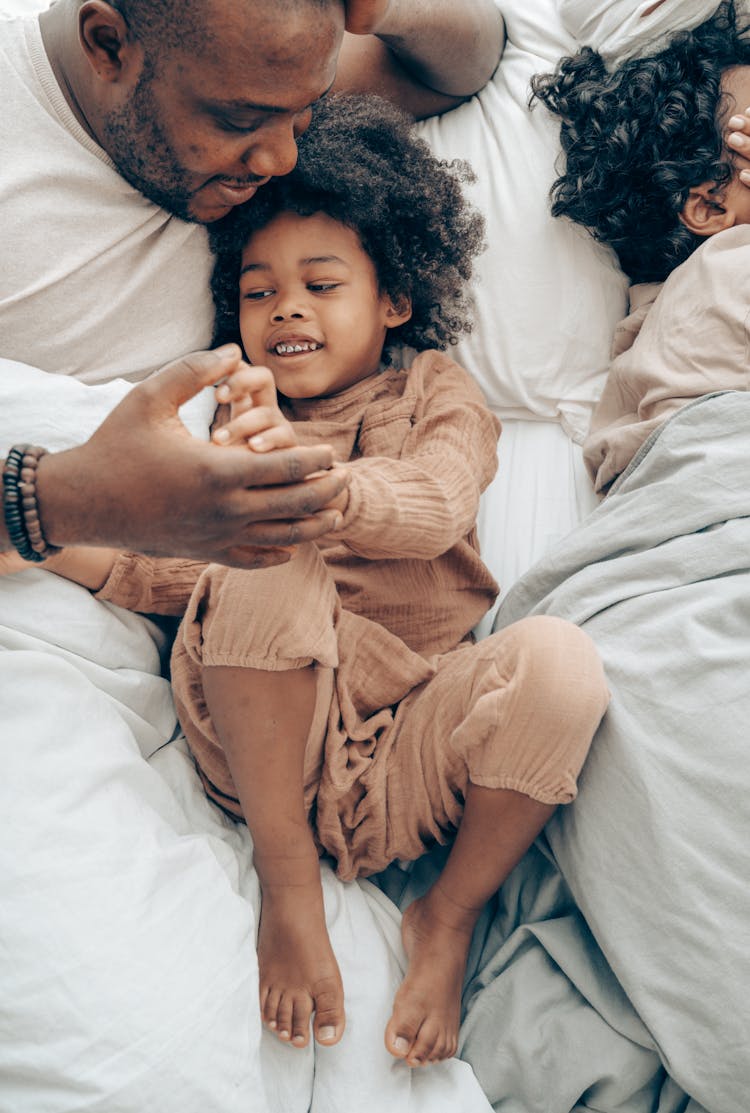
x=684, y=339
x=409, y=709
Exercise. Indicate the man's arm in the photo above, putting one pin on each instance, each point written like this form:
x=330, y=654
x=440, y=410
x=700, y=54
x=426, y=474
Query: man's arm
x=426, y=55
x=141, y=482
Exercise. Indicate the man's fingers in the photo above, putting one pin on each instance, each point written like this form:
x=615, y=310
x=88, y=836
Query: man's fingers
x=278, y=535
x=301, y=500
x=181, y=380
x=254, y=556
x=242, y=468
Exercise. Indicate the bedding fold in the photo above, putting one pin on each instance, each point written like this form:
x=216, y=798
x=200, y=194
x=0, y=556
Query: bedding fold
x=655, y=850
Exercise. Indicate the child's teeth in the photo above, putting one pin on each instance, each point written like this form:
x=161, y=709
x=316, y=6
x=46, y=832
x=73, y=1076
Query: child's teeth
x=284, y=349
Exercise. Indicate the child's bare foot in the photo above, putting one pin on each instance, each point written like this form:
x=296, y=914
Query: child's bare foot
x=426, y=1011
x=299, y=974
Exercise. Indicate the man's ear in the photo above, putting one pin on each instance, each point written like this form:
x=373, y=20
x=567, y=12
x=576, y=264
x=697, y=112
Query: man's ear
x=397, y=311
x=704, y=213
x=107, y=42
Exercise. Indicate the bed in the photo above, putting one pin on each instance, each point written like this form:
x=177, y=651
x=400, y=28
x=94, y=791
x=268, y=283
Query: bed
x=611, y=972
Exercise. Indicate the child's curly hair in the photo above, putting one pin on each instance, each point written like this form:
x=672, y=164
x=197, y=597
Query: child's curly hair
x=637, y=139
x=361, y=163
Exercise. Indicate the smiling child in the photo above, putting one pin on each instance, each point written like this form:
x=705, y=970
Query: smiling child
x=338, y=702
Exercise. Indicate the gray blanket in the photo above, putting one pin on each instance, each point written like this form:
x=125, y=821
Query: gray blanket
x=613, y=972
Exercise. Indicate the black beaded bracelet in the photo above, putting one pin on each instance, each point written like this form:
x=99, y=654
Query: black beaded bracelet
x=20, y=505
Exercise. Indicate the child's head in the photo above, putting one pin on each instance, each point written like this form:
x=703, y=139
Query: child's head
x=647, y=170
x=368, y=242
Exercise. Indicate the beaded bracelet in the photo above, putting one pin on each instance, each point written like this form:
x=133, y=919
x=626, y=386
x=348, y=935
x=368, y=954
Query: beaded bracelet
x=20, y=505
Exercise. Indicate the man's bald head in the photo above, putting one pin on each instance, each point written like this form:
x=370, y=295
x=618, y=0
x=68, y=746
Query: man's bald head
x=192, y=24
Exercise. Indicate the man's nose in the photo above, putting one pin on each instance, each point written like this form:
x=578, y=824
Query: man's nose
x=273, y=151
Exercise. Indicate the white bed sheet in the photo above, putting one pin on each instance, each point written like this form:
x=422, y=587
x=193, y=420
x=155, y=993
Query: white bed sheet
x=127, y=969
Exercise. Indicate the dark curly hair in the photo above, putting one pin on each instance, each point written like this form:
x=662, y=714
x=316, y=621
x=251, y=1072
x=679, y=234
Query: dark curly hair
x=361, y=163
x=637, y=139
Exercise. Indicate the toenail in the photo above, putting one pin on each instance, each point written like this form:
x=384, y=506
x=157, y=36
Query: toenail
x=298, y=1039
x=401, y=1045
x=284, y=1034
x=327, y=1033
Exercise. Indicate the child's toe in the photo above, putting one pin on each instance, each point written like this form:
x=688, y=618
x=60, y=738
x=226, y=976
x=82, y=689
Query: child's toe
x=401, y=1033
x=329, y=1011
x=301, y=1015
x=284, y=1015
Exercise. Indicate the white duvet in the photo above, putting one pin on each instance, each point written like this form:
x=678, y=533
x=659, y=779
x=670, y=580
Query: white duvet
x=128, y=978
x=129, y=910
x=129, y=903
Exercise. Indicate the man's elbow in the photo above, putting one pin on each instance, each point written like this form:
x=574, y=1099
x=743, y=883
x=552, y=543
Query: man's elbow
x=490, y=40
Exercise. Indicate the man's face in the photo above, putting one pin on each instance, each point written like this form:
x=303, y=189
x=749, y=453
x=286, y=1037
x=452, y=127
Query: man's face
x=200, y=131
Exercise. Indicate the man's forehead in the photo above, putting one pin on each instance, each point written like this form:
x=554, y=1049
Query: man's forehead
x=275, y=17
x=263, y=35
x=264, y=64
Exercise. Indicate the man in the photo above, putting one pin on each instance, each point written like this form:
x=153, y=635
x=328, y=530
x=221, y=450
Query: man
x=195, y=106
x=125, y=128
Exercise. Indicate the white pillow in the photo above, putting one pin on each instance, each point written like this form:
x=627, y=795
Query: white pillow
x=548, y=297
x=619, y=29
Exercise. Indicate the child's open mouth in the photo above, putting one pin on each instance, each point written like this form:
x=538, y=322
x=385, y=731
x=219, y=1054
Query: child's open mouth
x=297, y=348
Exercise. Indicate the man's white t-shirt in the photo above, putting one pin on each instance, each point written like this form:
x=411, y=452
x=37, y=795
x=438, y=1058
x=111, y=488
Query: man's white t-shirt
x=97, y=282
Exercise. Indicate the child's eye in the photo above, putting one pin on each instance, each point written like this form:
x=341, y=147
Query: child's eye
x=256, y=295
x=322, y=287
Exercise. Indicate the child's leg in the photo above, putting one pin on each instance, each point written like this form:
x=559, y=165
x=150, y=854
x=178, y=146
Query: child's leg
x=254, y=638
x=519, y=710
x=263, y=720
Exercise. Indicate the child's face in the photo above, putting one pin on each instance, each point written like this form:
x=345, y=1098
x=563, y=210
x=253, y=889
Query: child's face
x=310, y=307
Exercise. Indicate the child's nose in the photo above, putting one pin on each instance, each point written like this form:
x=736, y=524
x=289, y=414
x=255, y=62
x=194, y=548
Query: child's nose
x=287, y=313
x=289, y=305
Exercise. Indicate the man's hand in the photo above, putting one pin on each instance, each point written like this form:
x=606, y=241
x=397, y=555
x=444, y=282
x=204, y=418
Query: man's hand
x=141, y=482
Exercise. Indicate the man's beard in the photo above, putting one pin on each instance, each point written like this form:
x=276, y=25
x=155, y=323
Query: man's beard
x=140, y=150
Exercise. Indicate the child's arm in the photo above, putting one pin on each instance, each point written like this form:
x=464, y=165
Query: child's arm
x=149, y=585
x=83, y=564
x=418, y=498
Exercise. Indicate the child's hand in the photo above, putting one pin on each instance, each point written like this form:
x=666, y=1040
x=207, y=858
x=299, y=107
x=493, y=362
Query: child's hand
x=341, y=501
x=739, y=141
x=254, y=417
x=12, y=561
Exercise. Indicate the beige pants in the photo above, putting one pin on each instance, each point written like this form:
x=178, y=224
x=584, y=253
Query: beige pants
x=395, y=738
